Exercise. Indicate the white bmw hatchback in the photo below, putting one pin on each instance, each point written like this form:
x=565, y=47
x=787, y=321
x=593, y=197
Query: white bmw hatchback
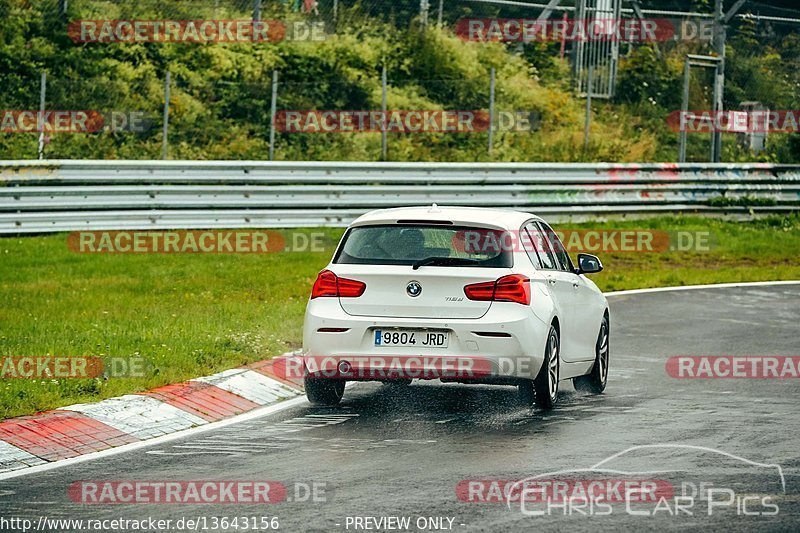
x=467, y=295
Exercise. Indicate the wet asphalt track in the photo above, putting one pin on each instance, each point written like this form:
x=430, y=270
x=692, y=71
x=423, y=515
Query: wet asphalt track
x=401, y=453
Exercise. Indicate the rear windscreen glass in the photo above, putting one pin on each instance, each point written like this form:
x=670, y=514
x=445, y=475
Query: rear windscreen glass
x=411, y=244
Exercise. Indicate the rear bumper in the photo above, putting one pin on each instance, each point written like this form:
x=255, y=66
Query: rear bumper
x=507, y=342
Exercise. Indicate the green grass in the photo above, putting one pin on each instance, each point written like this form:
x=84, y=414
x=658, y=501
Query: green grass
x=759, y=250
x=192, y=315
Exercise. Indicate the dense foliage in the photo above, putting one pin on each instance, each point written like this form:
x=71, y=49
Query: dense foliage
x=220, y=93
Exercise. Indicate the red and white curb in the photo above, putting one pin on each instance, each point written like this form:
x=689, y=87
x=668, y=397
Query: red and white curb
x=76, y=430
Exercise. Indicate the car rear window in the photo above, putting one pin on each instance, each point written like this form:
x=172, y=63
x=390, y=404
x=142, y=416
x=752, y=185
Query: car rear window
x=396, y=244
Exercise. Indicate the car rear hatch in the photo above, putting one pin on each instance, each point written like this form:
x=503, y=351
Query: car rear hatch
x=391, y=291
x=419, y=269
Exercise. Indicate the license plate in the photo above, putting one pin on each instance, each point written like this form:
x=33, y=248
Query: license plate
x=413, y=338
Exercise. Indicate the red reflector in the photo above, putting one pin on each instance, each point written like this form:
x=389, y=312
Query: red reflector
x=512, y=288
x=329, y=284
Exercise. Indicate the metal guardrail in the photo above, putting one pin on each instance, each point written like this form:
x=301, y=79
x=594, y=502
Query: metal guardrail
x=45, y=196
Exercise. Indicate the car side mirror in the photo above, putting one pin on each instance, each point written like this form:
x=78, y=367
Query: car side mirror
x=589, y=264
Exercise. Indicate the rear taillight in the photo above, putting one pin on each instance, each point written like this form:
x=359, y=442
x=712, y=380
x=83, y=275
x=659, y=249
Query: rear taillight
x=512, y=288
x=329, y=284
x=350, y=288
x=480, y=291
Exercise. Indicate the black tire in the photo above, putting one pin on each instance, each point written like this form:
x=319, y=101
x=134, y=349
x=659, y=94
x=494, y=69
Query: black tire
x=324, y=391
x=595, y=381
x=546, y=383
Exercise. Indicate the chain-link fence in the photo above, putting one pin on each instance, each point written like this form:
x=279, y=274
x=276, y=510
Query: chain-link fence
x=474, y=80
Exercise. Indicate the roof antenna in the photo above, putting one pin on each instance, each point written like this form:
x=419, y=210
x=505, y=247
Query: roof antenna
x=434, y=209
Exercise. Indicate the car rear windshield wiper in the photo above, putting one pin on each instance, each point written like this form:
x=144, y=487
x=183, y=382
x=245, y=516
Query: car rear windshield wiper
x=444, y=261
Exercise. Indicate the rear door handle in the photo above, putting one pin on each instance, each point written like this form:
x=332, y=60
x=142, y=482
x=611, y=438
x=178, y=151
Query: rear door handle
x=575, y=284
x=551, y=281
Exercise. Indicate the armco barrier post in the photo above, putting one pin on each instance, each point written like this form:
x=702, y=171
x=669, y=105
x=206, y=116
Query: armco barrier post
x=273, y=109
x=42, y=94
x=384, y=147
x=684, y=109
x=491, y=109
x=588, y=117
x=164, y=140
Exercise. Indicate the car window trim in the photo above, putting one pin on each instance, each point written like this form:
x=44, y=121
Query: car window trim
x=569, y=267
x=549, y=253
x=531, y=253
